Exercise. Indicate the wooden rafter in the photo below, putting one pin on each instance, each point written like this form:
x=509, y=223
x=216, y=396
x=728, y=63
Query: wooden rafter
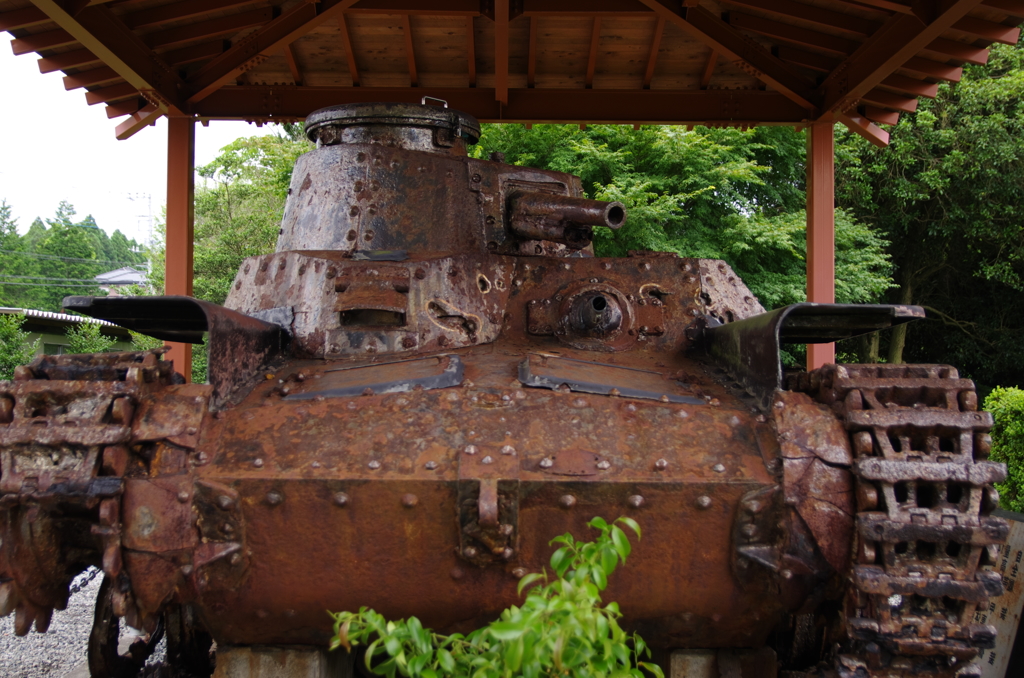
x=709, y=69
x=918, y=88
x=958, y=50
x=136, y=121
x=350, y=53
x=875, y=114
x=410, y=51
x=102, y=34
x=37, y=42
x=595, y=39
x=884, y=99
x=652, y=55
x=94, y=76
x=531, y=55
x=501, y=34
x=471, y=50
x=840, y=21
x=293, y=64
x=899, y=39
x=865, y=128
x=177, y=11
x=211, y=28
x=257, y=46
x=726, y=40
x=790, y=33
x=22, y=18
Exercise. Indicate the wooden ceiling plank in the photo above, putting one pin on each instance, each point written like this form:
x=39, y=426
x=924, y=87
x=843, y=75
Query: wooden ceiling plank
x=847, y=23
x=410, y=51
x=811, y=60
x=418, y=7
x=794, y=34
x=501, y=21
x=588, y=7
x=177, y=11
x=989, y=30
x=959, y=50
x=652, y=55
x=40, y=41
x=350, y=54
x=709, y=69
x=595, y=40
x=200, y=52
x=221, y=26
x=865, y=128
x=112, y=93
x=888, y=5
x=137, y=121
x=531, y=56
x=885, y=99
x=934, y=69
x=471, y=50
x=1014, y=7
x=875, y=114
x=656, y=106
x=100, y=32
x=726, y=40
x=65, y=60
x=258, y=45
x=22, y=18
x=293, y=65
x=899, y=39
x=918, y=88
x=89, y=78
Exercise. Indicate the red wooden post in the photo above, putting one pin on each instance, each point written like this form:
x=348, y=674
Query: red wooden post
x=181, y=142
x=821, y=264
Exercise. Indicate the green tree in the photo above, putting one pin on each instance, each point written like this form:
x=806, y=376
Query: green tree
x=71, y=264
x=1007, y=408
x=87, y=337
x=948, y=193
x=15, y=348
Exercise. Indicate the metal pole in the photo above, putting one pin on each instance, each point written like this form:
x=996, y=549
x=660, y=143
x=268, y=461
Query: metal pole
x=181, y=137
x=821, y=264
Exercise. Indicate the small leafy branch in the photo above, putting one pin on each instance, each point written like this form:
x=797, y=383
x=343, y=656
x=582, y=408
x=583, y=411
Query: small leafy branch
x=561, y=629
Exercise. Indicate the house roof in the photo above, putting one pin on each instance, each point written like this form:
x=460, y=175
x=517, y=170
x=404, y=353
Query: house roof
x=122, y=276
x=714, y=62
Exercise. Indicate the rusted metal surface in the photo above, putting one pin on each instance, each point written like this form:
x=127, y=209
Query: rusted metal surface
x=431, y=378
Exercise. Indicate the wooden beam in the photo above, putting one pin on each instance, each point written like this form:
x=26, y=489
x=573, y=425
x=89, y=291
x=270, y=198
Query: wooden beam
x=709, y=69
x=188, y=55
x=100, y=32
x=350, y=54
x=875, y=114
x=177, y=11
x=1013, y=7
x=139, y=120
x=418, y=7
x=104, y=95
x=652, y=55
x=293, y=65
x=888, y=5
x=91, y=77
x=989, y=30
x=934, y=69
x=840, y=21
x=471, y=50
x=918, y=88
x=257, y=46
x=619, y=8
x=811, y=60
x=727, y=41
x=596, y=106
x=410, y=51
x=899, y=39
x=501, y=21
x=885, y=99
x=863, y=127
x=22, y=18
x=531, y=55
x=211, y=28
x=791, y=33
x=65, y=60
x=821, y=204
x=958, y=50
x=595, y=39
x=37, y=42
x=125, y=107
x=180, y=224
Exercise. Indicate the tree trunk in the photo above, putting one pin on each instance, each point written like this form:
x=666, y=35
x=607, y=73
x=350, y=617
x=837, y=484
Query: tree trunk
x=868, y=353
x=899, y=333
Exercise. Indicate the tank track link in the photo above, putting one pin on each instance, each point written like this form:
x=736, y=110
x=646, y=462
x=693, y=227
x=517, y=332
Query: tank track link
x=924, y=534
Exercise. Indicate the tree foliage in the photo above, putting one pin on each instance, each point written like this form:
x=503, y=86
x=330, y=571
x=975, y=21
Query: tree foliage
x=1007, y=408
x=87, y=337
x=562, y=628
x=15, y=348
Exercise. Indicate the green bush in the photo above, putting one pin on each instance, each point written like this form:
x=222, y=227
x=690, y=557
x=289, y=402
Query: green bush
x=14, y=346
x=562, y=629
x=1007, y=406
x=87, y=337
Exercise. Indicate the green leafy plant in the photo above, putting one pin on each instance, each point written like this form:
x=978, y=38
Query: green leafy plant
x=1007, y=408
x=87, y=337
x=15, y=348
x=561, y=629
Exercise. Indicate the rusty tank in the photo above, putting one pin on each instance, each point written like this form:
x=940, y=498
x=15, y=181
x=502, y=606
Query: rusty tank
x=432, y=376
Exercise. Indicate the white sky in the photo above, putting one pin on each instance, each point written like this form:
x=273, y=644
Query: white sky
x=54, y=147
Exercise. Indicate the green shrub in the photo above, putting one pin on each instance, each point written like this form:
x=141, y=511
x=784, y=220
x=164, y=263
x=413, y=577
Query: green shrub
x=561, y=629
x=1007, y=406
x=14, y=346
x=86, y=337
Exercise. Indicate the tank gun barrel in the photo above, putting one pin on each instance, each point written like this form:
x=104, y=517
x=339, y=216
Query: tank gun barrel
x=561, y=218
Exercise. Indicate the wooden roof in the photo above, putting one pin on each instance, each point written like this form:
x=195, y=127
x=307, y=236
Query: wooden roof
x=712, y=62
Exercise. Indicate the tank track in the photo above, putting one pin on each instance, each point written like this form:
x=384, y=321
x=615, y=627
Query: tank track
x=924, y=534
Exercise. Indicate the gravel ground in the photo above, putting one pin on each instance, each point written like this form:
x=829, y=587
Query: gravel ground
x=61, y=649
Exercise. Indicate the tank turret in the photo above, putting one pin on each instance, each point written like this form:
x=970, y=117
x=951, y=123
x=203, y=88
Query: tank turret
x=433, y=375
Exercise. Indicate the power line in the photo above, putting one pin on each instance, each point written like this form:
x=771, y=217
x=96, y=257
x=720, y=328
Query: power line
x=40, y=277
x=48, y=284
x=87, y=261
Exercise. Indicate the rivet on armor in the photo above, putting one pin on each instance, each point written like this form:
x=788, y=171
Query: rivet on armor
x=661, y=464
x=635, y=501
x=704, y=502
x=546, y=462
x=374, y=464
x=340, y=499
x=274, y=498
x=718, y=468
x=410, y=500
x=567, y=501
